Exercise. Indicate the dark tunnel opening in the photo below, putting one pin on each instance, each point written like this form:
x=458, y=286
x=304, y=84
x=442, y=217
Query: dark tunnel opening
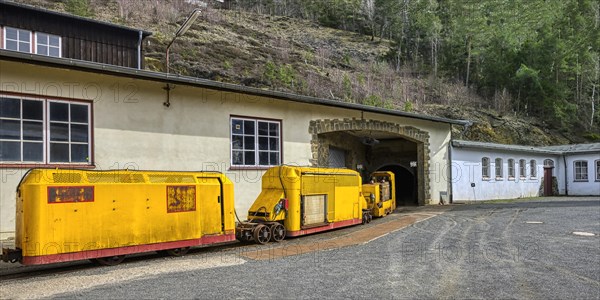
x=406, y=185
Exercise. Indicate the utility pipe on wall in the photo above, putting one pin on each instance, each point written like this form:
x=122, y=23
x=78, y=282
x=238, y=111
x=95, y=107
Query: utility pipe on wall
x=139, y=49
x=566, y=178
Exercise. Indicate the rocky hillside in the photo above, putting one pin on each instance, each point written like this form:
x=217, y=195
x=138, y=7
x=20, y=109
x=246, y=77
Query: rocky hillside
x=300, y=56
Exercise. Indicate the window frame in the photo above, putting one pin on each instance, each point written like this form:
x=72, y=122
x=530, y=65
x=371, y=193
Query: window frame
x=46, y=133
x=69, y=124
x=485, y=168
x=533, y=169
x=18, y=41
x=511, y=169
x=522, y=169
x=575, y=173
x=597, y=166
x=256, y=150
x=48, y=46
x=549, y=160
x=499, y=168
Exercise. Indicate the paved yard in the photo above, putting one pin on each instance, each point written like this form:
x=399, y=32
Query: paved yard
x=501, y=250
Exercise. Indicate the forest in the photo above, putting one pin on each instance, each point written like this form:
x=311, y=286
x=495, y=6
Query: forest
x=530, y=57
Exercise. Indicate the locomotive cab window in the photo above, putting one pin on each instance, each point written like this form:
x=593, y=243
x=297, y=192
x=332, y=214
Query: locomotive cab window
x=255, y=142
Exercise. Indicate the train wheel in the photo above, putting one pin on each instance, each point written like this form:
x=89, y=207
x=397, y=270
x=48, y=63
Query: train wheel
x=277, y=232
x=178, y=251
x=111, y=260
x=369, y=218
x=262, y=234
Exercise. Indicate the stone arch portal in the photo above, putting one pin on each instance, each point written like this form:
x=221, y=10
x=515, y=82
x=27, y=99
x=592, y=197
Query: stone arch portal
x=396, y=144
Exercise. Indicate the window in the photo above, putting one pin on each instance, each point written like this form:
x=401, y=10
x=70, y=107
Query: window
x=47, y=44
x=522, y=168
x=548, y=163
x=511, y=169
x=499, y=170
x=598, y=170
x=581, y=170
x=44, y=131
x=532, y=168
x=69, y=132
x=255, y=142
x=21, y=40
x=17, y=39
x=485, y=168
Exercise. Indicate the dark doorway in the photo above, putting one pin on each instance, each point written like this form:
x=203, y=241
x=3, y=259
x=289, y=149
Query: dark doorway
x=406, y=185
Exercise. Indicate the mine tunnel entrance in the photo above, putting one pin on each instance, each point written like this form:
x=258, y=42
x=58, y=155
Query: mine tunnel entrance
x=406, y=185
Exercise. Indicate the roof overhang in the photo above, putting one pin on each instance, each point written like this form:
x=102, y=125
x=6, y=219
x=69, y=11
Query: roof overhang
x=552, y=150
x=93, y=67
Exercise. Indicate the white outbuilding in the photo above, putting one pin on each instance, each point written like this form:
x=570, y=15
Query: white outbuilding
x=487, y=171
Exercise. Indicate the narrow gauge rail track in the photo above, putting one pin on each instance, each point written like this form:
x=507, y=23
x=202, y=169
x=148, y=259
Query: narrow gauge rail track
x=311, y=243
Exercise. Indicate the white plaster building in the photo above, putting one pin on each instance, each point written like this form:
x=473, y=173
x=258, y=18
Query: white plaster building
x=486, y=171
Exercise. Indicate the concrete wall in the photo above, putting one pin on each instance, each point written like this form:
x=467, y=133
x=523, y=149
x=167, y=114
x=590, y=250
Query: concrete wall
x=467, y=171
x=132, y=128
x=591, y=187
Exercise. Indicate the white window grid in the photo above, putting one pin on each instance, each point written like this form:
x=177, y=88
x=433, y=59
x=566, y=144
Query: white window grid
x=522, y=169
x=581, y=170
x=21, y=39
x=48, y=44
x=485, y=168
x=597, y=170
x=499, y=168
x=532, y=168
x=255, y=147
x=69, y=124
x=22, y=140
x=46, y=132
x=511, y=168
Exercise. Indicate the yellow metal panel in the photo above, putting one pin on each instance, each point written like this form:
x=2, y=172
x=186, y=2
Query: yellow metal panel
x=210, y=204
x=347, y=203
x=127, y=209
x=342, y=188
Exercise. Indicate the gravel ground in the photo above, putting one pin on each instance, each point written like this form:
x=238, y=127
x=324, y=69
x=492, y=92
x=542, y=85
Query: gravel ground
x=501, y=250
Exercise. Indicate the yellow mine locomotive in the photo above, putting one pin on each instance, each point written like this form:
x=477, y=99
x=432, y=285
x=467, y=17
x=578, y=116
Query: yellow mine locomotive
x=295, y=201
x=66, y=215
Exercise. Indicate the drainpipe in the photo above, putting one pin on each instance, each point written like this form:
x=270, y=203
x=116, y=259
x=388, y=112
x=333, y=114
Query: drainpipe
x=139, y=49
x=450, y=175
x=566, y=179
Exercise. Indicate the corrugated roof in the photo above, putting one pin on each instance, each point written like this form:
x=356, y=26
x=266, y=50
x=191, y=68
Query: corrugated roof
x=88, y=66
x=557, y=150
x=576, y=148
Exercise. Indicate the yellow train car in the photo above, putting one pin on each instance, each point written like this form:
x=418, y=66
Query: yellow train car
x=295, y=201
x=66, y=215
x=380, y=193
